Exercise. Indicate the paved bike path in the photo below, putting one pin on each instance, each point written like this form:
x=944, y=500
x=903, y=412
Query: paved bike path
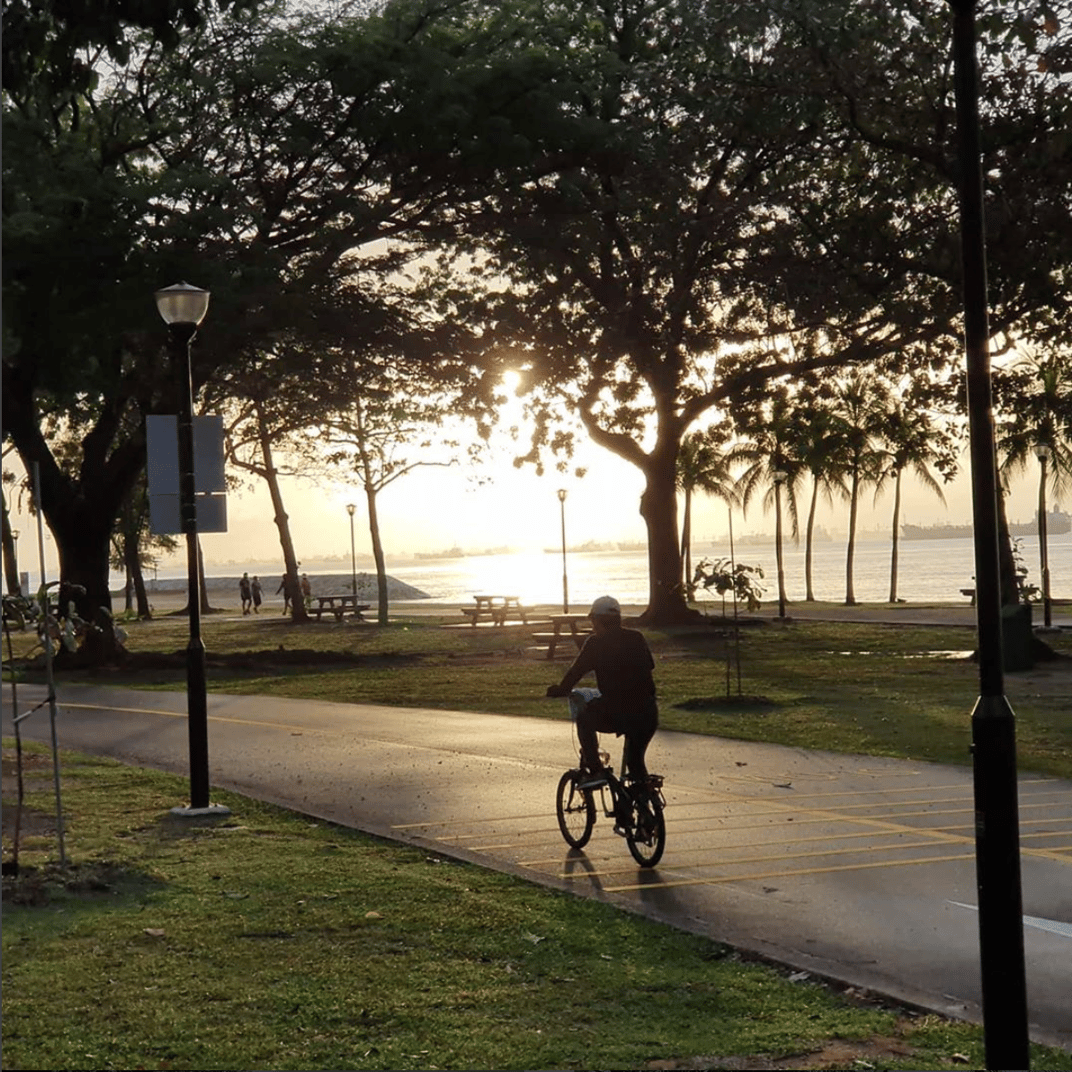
x=852, y=867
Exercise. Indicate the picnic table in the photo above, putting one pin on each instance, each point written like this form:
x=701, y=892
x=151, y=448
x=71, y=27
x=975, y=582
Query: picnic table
x=338, y=605
x=572, y=627
x=495, y=609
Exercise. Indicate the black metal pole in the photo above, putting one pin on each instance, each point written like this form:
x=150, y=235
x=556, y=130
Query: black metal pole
x=353, y=559
x=565, y=583
x=196, y=686
x=778, y=546
x=997, y=846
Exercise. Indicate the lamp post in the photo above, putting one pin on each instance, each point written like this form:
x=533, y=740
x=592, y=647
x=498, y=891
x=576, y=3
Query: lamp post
x=1043, y=453
x=780, y=476
x=182, y=308
x=997, y=824
x=565, y=585
x=351, y=509
x=15, y=555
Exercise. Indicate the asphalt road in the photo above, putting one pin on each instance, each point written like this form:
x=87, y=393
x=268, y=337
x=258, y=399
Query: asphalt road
x=850, y=867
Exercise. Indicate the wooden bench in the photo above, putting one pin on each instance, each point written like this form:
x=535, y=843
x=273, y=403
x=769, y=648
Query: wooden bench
x=338, y=605
x=496, y=609
x=573, y=627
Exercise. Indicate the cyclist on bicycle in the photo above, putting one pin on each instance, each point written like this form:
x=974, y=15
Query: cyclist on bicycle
x=622, y=663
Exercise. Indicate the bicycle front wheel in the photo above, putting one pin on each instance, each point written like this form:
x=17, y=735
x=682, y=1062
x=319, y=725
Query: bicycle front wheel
x=647, y=832
x=576, y=811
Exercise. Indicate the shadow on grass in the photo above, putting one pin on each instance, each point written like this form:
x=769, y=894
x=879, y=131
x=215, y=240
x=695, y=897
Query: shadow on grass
x=85, y=887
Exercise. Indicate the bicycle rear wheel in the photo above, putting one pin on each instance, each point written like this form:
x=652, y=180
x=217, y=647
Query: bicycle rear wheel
x=647, y=831
x=576, y=811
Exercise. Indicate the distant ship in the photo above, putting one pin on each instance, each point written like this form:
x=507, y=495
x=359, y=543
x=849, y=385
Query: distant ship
x=450, y=552
x=581, y=548
x=1057, y=523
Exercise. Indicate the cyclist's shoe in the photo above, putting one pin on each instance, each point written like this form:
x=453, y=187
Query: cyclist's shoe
x=620, y=830
x=592, y=779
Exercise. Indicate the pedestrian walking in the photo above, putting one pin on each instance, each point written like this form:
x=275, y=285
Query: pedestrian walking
x=245, y=593
x=256, y=591
x=284, y=587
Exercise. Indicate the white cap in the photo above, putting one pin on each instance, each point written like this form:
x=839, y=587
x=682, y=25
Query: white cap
x=605, y=605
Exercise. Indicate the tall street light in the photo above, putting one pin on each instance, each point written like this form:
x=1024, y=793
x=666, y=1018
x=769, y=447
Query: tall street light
x=183, y=307
x=15, y=555
x=565, y=585
x=780, y=476
x=997, y=824
x=1043, y=453
x=351, y=509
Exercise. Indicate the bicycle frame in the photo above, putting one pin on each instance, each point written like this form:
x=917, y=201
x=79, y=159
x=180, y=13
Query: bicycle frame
x=636, y=807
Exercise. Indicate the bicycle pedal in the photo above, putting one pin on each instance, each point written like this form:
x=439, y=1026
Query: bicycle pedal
x=621, y=832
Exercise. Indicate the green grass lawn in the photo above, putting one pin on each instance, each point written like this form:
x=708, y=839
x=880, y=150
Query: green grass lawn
x=273, y=941
x=889, y=690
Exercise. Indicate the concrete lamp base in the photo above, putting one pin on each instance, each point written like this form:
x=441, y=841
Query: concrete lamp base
x=213, y=811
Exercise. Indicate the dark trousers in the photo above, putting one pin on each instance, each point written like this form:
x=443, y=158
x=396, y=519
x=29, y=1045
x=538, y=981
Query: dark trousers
x=638, y=728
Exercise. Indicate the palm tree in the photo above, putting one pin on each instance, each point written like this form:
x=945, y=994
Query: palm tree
x=914, y=442
x=861, y=403
x=816, y=445
x=771, y=462
x=1035, y=399
x=702, y=466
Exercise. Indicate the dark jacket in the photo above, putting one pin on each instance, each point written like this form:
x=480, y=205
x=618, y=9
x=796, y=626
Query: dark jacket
x=622, y=663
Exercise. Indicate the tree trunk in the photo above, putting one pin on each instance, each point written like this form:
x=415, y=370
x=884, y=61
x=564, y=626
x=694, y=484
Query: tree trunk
x=80, y=511
x=809, y=592
x=658, y=507
x=377, y=554
x=141, y=597
x=850, y=554
x=11, y=566
x=298, y=611
x=130, y=566
x=83, y=543
x=202, y=586
x=896, y=535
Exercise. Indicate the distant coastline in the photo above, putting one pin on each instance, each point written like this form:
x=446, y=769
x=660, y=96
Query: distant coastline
x=1058, y=522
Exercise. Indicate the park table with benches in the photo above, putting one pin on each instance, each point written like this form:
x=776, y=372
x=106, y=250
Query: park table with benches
x=496, y=609
x=565, y=627
x=339, y=605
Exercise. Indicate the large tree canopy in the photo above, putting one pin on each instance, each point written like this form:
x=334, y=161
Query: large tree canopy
x=658, y=208
x=272, y=159
x=735, y=212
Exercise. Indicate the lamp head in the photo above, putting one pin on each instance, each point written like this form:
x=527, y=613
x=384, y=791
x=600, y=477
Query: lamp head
x=182, y=304
x=350, y=508
x=1043, y=452
x=562, y=495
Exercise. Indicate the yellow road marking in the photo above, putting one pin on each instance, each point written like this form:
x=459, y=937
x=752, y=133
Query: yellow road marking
x=723, y=879
x=768, y=857
x=689, y=790
x=184, y=714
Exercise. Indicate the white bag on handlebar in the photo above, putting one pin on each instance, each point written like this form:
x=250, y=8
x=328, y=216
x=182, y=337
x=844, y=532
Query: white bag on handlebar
x=579, y=699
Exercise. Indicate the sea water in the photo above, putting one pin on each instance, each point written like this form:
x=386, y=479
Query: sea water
x=928, y=571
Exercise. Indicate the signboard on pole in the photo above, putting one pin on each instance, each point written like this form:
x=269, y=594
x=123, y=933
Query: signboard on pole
x=162, y=446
